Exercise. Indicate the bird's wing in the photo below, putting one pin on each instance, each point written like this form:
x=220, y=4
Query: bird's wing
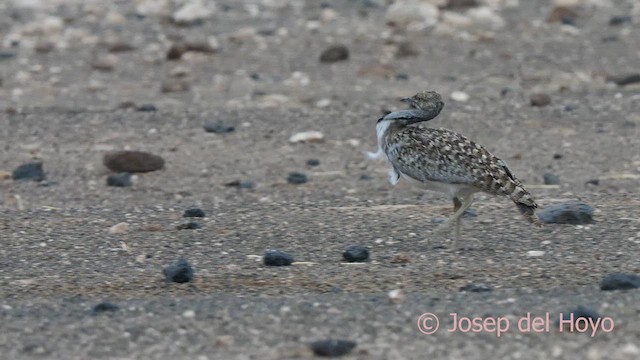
x=444, y=156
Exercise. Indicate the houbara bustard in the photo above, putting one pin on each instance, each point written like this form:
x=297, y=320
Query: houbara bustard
x=445, y=161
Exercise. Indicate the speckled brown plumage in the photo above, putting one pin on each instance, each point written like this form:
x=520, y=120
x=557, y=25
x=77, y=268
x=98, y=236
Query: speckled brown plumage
x=443, y=160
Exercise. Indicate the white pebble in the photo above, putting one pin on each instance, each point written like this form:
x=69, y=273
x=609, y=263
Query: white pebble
x=460, y=96
x=397, y=296
x=307, y=136
x=121, y=228
x=189, y=314
x=535, y=253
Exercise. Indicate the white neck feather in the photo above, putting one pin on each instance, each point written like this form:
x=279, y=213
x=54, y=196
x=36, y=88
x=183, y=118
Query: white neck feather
x=381, y=129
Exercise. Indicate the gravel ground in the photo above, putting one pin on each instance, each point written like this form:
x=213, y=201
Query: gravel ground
x=73, y=74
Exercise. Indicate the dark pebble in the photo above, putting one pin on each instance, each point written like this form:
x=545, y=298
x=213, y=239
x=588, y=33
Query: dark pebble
x=570, y=107
x=4, y=54
x=460, y=4
x=193, y=212
x=557, y=156
x=568, y=20
x=119, y=180
x=147, y=108
x=595, y=182
x=132, y=161
x=620, y=281
x=180, y=272
x=402, y=76
x=277, y=258
x=334, y=53
x=620, y=20
x=366, y=177
x=29, y=171
x=104, y=307
x=296, y=178
x=313, y=162
x=476, y=288
x=470, y=213
x=580, y=312
x=241, y=184
x=332, y=347
x=551, y=179
x=218, y=128
x=575, y=213
x=622, y=80
x=356, y=253
x=437, y=220
x=191, y=225
x=539, y=99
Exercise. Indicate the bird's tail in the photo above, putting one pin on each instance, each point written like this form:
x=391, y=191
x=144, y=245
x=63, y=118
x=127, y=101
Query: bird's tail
x=525, y=203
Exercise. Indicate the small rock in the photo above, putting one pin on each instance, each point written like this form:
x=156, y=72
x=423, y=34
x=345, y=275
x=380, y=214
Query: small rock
x=323, y=103
x=218, y=128
x=104, y=307
x=180, y=272
x=470, y=213
x=486, y=17
x=551, y=179
x=29, y=171
x=175, y=85
x=5, y=175
x=332, y=348
x=334, y=53
x=460, y=96
x=561, y=12
x=191, y=225
x=297, y=178
x=193, y=12
x=620, y=20
x=106, y=63
x=383, y=71
x=7, y=54
x=147, y=108
x=476, y=288
x=356, y=253
x=178, y=49
x=240, y=184
x=119, y=180
x=44, y=47
x=413, y=14
x=313, y=162
x=277, y=258
x=307, y=136
x=154, y=227
x=539, y=99
x=189, y=314
x=132, y=161
x=194, y=212
x=580, y=312
x=406, y=49
x=401, y=259
x=121, y=228
x=402, y=76
x=557, y=156
x=535, y=253
x=622, y=80
x=120, y=46
x=595, y=182
x=620, y=281
x=460, y=4
x=396, y=296
x=365, y=177
x=575, y=213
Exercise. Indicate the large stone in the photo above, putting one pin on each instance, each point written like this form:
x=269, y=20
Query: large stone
x=132, y=161
x=575, y=213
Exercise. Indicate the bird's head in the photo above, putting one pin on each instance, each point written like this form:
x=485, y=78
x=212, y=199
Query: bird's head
x=427, y=101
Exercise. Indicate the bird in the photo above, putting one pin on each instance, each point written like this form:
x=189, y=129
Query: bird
x=442, y=160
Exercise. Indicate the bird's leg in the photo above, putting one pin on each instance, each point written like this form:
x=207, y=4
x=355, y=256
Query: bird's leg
x=465, y=203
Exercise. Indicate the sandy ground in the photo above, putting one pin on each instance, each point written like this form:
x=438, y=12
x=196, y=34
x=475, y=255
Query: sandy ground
x=67, y=99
